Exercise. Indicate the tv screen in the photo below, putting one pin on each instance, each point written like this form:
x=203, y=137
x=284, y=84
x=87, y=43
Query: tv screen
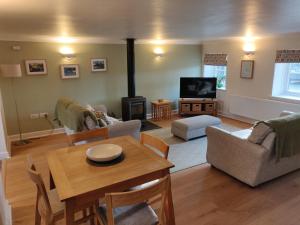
x=198, y=87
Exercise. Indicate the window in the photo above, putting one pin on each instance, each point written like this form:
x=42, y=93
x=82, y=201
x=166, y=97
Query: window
x=216, y=71
x=215, y=65
x=293, y=78
x=286, y=83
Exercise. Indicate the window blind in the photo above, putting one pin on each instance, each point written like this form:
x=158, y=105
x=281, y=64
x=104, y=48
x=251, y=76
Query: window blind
x=215, y=59
x=287, y=56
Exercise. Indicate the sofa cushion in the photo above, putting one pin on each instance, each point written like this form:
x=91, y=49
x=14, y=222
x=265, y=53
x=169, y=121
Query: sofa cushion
x=259, y=133
x=269, y=141
x=90, y=123
x=102, y=118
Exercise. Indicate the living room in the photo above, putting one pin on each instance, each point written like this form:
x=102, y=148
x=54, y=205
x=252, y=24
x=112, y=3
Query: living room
x=253, y=51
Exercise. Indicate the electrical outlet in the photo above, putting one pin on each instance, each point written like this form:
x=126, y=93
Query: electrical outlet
x=44, y=115
x=34, y=116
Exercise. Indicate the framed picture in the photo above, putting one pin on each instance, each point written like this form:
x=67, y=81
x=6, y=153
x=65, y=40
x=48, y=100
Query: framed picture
x=36, y=67
x=98, y=65
x=247, y=67
x=69, y=71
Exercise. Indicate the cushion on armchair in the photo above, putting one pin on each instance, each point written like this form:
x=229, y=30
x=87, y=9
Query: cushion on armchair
x=259, y=133
x=269, y=141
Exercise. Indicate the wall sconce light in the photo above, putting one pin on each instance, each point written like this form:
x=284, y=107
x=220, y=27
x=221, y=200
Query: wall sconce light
x=67, y=52
x=249, y=48
x=159, y=52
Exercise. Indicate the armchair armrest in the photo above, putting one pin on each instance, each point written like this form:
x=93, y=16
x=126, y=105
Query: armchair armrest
x=235, y=156
x=131, y=128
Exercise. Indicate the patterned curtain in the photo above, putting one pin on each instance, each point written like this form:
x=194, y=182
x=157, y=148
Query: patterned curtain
x=287, y=56
x=215, y=59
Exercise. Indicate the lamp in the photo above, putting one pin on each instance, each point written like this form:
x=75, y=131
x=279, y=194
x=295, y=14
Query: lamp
x=249, y=48
x=14, y=71
x=67, y=52
x=159, y=52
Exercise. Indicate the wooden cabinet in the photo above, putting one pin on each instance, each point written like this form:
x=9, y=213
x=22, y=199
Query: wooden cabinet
x=197, y=107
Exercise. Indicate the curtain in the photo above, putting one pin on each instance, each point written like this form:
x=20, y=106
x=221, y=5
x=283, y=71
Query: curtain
x=287, y=56
x=215, y=59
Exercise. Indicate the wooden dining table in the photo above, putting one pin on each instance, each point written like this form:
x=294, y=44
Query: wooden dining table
x=80, y=183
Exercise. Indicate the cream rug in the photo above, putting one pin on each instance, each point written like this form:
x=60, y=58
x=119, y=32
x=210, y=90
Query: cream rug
x=185, y=154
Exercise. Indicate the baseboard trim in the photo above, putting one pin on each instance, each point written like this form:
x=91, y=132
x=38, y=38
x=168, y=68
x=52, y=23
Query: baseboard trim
x=235, y=117
x=36, y=134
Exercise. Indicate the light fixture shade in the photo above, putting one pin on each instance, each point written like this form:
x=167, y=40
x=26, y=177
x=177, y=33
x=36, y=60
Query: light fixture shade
x=10, y=70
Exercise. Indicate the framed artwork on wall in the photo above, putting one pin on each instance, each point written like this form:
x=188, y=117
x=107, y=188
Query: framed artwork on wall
x=69, y=71
x=98, y=65
x=36, y=67
x=247, y=67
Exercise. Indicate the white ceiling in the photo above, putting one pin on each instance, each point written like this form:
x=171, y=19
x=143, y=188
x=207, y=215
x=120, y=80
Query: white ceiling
x=181, y=21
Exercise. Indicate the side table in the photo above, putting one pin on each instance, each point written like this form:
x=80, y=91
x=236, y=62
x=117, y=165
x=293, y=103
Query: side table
x=161, y=110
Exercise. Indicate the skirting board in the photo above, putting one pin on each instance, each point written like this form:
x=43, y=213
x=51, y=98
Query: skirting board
x=36, y=134
x=235, y=117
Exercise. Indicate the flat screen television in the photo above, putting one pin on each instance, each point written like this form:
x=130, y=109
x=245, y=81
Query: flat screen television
x=198, y=87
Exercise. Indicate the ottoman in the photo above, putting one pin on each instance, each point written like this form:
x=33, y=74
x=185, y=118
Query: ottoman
x=193, y=127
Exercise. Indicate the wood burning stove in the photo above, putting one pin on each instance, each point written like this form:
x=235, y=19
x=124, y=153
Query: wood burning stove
x=133, y=107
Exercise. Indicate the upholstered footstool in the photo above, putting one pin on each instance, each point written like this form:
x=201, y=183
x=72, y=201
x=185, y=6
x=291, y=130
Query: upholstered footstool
x=193, y=127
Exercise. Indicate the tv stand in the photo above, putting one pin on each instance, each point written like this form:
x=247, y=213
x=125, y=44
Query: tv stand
x=198, y=107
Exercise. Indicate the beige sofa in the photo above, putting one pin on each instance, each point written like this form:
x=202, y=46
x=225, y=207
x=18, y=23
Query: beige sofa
x=250, y=163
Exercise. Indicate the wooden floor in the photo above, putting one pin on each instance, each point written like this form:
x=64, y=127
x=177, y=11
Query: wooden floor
x=202, y=195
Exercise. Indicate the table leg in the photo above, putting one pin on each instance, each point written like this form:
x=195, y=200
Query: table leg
x=69, y=212
x=170, y=217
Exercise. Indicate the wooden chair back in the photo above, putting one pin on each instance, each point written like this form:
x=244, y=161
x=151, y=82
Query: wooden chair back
x=42, y=201
x=88, y=135
x=161, y=188
x=157, y=143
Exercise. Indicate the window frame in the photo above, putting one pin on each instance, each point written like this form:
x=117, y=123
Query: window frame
x=281, y=90
x=226, y=69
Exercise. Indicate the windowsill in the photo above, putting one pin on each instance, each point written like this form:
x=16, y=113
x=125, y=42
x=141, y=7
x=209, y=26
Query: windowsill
x=287, y=98
x=221, y=89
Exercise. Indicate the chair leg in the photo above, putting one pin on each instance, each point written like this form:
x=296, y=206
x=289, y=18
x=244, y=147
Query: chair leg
x=92, y=220
x=37, y=216
x=84, y=213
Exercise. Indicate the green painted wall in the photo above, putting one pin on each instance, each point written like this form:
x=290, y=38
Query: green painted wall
x=155, y=78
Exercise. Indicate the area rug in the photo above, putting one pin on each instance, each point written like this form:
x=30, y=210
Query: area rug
x=185, y=154
x=147, y=125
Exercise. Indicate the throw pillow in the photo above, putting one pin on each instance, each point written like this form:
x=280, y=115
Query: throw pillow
x=259, y=133
x=101, y=116
x=90, y=108
x=90, y=123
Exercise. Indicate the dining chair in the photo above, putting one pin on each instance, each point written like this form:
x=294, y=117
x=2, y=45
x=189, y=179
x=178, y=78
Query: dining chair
x=159, y=146
x=87, y=136
x=48, y=206
x=131, y=208
x=156, y=143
